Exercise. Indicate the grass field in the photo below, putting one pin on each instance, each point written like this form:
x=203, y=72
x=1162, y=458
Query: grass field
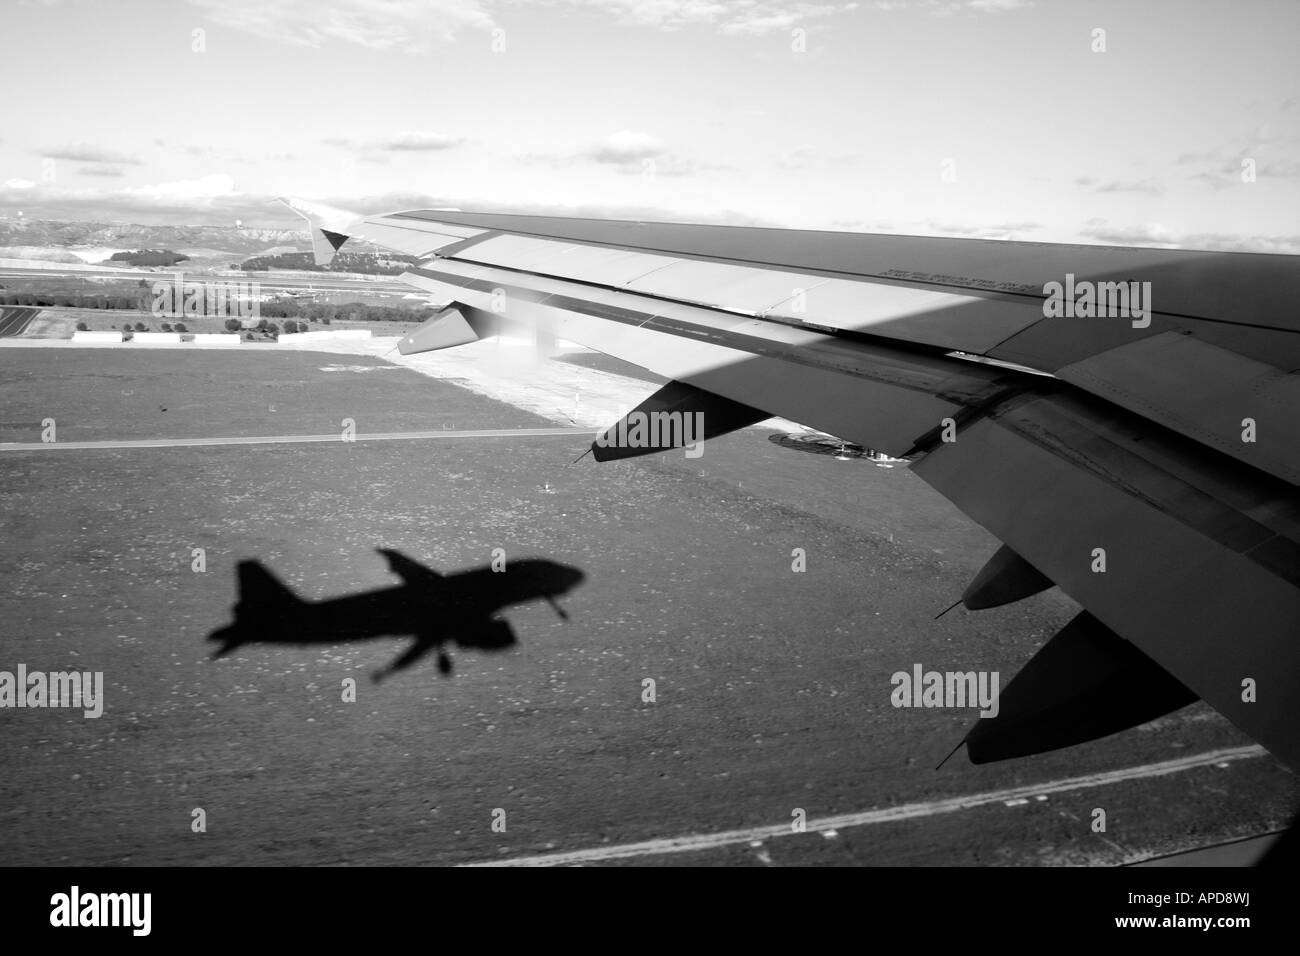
x=772, y=687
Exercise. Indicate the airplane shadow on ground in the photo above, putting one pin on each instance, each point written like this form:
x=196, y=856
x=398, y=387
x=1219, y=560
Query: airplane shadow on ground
x=435, y=609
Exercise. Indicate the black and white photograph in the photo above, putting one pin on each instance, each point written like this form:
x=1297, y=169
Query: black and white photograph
x=649, y=434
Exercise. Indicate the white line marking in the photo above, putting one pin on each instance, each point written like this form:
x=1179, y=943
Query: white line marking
x=907, y=811
x=292, y=439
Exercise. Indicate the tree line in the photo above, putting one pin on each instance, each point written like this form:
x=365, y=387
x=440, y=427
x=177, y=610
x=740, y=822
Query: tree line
x=149, y=257
x=75, y=300
x=364, y=262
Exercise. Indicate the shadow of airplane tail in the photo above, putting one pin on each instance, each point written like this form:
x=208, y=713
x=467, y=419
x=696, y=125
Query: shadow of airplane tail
x=264, y=602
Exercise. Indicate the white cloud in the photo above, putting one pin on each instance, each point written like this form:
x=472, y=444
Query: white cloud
x=1155, y=234
x=626, y=146
x=89, y=153
x=420, y=141
x=751, y=17
x=948, y=8
x=100, y=170
x=414, y=25
x=999, y=6
x=405, y=141
x=633, y=152
x=1148, y=186
x=411, y=25
x=205, y=189
x=208, y=199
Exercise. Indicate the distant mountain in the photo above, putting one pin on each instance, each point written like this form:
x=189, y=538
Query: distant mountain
x=207, y=241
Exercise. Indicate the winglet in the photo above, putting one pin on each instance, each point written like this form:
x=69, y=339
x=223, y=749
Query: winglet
x=330, y=227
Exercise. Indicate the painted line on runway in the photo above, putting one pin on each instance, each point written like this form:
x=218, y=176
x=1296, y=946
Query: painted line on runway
x=294, y=439
x=908, y=811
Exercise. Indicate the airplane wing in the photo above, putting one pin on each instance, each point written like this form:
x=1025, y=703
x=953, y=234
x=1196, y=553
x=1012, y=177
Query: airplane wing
x=1144, y=460
x=412, y=572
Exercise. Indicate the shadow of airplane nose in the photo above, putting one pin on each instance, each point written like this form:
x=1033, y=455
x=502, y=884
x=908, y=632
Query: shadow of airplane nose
x=570, y=577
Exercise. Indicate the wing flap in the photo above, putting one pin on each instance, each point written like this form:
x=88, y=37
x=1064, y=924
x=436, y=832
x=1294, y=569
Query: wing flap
x=1006, y=578
x=447, y=329
x=676, y=416
x=1086, y=682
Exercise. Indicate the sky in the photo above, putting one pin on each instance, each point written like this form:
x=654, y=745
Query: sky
x=1165, y=122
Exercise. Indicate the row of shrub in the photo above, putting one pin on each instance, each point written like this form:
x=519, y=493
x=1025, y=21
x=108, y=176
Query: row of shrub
x=141, y=327
x=73, y=300
x=268, y=329
x=364, y=262
x=232, y=325
x=149, y=257
x=288, y=307
x=278, y=308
